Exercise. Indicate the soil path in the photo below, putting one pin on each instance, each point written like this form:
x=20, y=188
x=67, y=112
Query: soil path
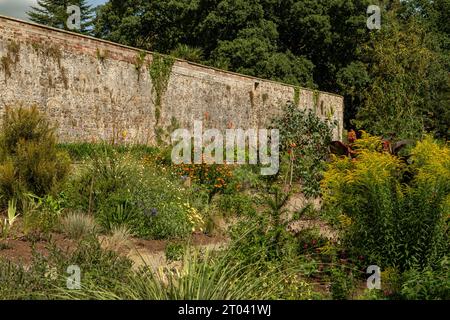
x=20, y=250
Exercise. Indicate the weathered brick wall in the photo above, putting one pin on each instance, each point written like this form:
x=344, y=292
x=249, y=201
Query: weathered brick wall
x=93, y=90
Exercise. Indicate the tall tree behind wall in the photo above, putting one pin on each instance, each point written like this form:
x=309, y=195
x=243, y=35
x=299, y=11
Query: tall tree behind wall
x=53, y=13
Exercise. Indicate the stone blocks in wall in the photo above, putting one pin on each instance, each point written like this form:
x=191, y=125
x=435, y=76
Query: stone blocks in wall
x=97, y=90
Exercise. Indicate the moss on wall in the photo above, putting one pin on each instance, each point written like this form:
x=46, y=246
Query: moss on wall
x=252, y=99
x=102, y=55
x=316, y=99
x=11, y=58
x=296, y=96
x=53, y=52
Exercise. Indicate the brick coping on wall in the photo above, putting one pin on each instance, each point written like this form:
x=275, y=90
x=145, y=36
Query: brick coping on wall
x=151, y=53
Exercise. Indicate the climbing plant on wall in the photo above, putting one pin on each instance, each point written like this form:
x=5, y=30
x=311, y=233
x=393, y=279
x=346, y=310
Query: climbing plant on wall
x=160, y=69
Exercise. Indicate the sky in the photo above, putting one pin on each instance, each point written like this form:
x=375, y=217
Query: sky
x=18, y=8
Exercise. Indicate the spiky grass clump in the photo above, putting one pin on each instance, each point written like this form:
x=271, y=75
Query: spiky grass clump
x=202, y=276
x=78, y=225
x=119, y=239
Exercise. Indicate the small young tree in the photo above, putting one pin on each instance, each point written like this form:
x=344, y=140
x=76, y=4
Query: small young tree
x=304, y=142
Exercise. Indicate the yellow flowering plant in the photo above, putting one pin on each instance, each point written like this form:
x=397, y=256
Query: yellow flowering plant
x=393, y=210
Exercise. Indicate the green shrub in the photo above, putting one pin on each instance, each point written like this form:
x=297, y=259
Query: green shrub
x=265, y=233
x=239, y=195
x=310, y=241
x=342, y=284
x=304, y=142
x=41, y=215
x=122, y=215
x=395, y=213
x=44, y=277
x=214, y=177
x=98, y=179
x=85, y=150
x=428, y=284
x=174, y=251
x=29, y=159
x=186, y=52
x=119, y=190
x=237, y=204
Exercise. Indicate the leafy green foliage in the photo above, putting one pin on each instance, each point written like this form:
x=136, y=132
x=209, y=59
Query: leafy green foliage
x=186, y=52
x=160, y=69
x=83, y=151
x=341, y=284
x=174, y=251
x=41, y=214
x=394, y=214
x=408, y=55
x=304, y=141
x=120, y=190
x=431, y=283
x=237, y=203
x=202, y=276
x=232, y=35
x=42, y=278
x=264, y=237
x=29, y=159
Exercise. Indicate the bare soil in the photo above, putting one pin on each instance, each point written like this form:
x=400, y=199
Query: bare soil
x=19, y=249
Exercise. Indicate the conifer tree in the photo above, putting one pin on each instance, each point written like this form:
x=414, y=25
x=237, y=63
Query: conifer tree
x=53, y=13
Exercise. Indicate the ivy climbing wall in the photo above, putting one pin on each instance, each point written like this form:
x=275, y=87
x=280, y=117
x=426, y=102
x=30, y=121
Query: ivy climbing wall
x=97, y=90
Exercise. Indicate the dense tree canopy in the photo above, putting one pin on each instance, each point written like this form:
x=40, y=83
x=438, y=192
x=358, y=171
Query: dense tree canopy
x=299, y=42
x=408, y=64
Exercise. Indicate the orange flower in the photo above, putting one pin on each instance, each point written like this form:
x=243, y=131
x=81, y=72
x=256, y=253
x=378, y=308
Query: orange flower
x=351, y=136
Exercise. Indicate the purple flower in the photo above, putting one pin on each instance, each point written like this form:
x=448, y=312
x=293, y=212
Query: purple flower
x=151, y=213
